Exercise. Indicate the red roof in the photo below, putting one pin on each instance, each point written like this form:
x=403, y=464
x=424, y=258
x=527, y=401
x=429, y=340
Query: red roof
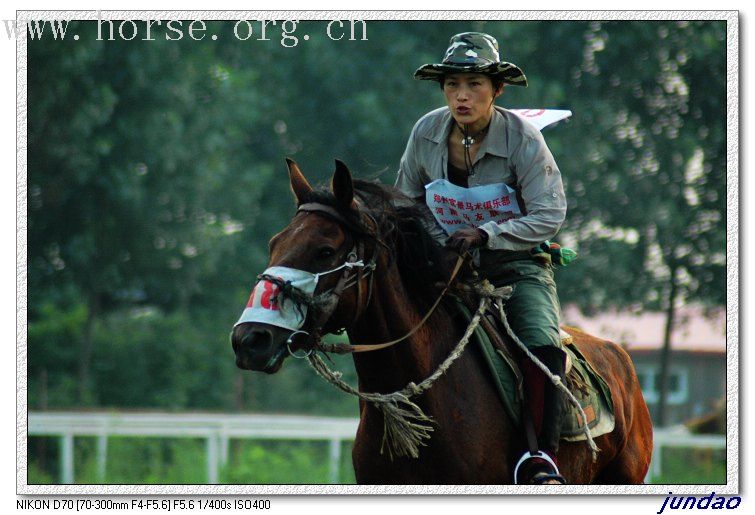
x=694, y=331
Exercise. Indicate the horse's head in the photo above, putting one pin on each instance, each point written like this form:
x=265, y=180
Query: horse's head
x=318, y=277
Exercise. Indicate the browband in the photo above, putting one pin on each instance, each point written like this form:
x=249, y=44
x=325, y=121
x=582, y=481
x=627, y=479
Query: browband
x=315, y=207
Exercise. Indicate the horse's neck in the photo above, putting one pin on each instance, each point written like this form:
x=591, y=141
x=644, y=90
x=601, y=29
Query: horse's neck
x=392, y=314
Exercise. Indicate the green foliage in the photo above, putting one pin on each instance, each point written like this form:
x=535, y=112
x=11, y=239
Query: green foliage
x=285, y=462
x=50, y=371
x=36, y=476
x=278, y=463
x=154, y=461
x=177, y=359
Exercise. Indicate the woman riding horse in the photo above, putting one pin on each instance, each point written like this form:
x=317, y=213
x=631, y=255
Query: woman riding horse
x=472, y=143
x=359, y=257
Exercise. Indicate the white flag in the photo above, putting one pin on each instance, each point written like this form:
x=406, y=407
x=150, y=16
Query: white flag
x=541, y=118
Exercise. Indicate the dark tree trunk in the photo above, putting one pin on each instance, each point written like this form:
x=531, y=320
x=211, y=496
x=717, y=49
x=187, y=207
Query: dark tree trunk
x=85, y=355
x=43, y=390
x=662, y=419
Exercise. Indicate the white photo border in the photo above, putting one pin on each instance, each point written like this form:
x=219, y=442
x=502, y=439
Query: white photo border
x=732, y=257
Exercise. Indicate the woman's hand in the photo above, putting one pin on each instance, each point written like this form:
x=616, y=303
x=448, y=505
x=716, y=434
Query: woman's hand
x=467, y=238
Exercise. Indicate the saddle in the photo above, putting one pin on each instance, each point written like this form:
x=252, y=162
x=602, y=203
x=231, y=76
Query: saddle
x=503, y=359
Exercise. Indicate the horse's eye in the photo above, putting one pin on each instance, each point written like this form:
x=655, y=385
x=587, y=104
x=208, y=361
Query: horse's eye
x=325, y=253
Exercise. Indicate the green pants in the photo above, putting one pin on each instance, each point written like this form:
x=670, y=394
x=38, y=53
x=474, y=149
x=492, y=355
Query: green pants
x=533, y=308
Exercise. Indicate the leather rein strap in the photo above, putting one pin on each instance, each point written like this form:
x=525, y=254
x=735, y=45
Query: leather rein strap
x=343, y=348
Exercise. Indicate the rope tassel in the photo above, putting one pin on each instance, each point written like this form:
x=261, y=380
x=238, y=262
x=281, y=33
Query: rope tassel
x=405, y=426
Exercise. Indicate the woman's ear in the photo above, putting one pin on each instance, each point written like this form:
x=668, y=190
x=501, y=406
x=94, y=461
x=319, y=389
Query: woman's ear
x=498, y=91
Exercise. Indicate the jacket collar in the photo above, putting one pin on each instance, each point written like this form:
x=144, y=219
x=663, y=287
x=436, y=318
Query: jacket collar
x=495, y=142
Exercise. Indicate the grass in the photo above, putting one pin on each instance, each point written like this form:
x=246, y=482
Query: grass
x=184, y=461
x=683, y=466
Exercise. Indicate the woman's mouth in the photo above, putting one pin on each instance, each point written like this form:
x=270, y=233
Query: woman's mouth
x=463, y=110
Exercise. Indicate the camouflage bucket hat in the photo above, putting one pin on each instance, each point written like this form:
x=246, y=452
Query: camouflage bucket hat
x=473, y=52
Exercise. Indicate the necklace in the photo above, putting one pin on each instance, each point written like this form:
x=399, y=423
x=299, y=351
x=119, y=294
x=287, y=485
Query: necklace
x=469, y=140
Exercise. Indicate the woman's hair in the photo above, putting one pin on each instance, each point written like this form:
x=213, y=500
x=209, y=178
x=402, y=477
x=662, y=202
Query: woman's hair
x=497, y=82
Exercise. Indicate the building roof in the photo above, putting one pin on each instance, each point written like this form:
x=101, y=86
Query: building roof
x=694, y=332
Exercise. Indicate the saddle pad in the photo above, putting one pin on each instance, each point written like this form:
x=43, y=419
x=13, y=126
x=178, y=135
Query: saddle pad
x=594, y=397
x=585, y=384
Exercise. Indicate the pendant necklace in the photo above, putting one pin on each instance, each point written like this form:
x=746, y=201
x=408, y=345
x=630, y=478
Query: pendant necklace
x=468, y=141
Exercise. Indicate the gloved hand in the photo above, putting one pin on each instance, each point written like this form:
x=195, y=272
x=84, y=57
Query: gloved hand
x=467, y=238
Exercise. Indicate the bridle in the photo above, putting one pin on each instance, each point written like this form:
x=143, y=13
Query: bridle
x=327, y=302
x=355, y=270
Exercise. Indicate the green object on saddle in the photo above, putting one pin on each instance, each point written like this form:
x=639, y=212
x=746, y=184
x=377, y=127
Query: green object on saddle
x=553, y=253
x=586, y=385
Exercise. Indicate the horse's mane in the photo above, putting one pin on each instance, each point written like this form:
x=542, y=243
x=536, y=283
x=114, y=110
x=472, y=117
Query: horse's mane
x=402, y=226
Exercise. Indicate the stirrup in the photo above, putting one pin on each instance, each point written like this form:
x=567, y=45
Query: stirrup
x=540, y=477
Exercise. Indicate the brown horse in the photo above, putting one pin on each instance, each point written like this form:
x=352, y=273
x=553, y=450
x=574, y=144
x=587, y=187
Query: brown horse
x=473, y=442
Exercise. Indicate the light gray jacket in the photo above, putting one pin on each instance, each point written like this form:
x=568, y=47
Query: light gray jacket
x=513, y=152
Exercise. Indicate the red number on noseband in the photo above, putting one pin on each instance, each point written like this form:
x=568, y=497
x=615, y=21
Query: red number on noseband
x=270, y=291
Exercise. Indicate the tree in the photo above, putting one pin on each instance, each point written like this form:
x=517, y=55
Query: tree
x=652, y=167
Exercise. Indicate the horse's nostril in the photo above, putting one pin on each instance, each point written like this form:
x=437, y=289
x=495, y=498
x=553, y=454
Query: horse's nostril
x=265, y=337
x=256, y=338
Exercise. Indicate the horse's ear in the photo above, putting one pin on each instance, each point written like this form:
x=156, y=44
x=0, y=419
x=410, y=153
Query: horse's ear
x=299, y=184
x=343, y=186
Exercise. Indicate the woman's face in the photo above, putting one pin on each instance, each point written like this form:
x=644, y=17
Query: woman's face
x=469, y=97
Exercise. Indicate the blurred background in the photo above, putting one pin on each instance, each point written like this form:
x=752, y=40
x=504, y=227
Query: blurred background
x=156, y=176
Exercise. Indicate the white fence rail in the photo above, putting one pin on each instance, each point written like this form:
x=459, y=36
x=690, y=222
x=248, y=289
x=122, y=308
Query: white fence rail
x=216, y=429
